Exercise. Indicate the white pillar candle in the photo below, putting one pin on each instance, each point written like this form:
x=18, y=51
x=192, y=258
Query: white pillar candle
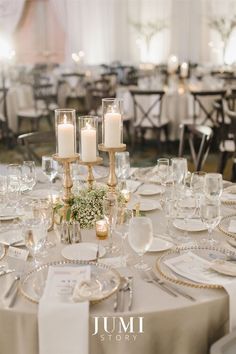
x=184, y=70
x=112, y=130
x=66, y=139
x=88, y=144
x=172, y=64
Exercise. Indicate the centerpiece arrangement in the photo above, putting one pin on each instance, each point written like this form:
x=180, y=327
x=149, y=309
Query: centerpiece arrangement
x=86, y=206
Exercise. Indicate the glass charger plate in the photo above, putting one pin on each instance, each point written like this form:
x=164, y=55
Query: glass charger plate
x=224, y=225
x=32, y=283
x=209, y=253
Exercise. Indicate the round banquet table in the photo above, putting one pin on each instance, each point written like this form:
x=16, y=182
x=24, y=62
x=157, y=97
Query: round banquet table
x=170, y=325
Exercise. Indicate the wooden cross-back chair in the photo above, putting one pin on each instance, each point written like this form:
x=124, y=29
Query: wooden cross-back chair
x=148, y=114
x=199, y=138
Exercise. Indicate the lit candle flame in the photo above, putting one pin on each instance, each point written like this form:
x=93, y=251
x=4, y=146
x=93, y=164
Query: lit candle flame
x=65, y=119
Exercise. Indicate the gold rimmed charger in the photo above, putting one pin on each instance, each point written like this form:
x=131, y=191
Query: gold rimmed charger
x=166, y=273
x=32, y=283
x=224, y=224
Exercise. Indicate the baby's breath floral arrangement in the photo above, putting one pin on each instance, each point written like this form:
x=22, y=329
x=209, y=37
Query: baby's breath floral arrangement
x=86, y=207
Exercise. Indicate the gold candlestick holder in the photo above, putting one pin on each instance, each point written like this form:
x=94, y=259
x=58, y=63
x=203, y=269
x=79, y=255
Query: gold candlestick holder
x=90, y=176
x=67, y=180
x=112, y=179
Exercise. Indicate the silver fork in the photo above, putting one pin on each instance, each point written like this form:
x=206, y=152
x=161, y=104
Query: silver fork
x=149, y=279
x=175, y=289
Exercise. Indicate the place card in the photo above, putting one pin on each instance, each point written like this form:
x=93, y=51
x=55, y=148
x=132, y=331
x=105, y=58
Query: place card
x=191, y=266
x=232, y=226
x=61, y=281
x=17, y=253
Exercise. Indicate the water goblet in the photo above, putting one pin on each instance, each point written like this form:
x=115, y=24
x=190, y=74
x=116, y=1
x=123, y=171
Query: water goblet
x=28, y=175
x=213, y=185
x=179, y=169
x=140, y=238
x=210, y=213
x=122, y=230
x=197, y=185
x=110, y=211
x=14, y=180
x=163, y=170
x=122, y=165
x=49, y=167
x=34, y=234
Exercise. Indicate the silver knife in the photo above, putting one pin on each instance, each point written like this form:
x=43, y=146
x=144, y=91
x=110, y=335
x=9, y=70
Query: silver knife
x=131, y=291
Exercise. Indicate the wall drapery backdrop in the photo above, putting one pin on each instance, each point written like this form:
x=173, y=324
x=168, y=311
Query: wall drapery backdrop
x=127, y=30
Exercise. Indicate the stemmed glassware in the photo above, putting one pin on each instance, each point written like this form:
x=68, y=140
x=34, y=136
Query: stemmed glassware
x=163, y=170
x=140, y=238
x=210, y=213
x=49, y=167
x=110, y=211
x=213, y=186
x=123, y=229
x=28, y=175
x=187, y=207
x=197, y=185
x=122, y=165
x=14, y=179
x=44, y=211
x=179, y=167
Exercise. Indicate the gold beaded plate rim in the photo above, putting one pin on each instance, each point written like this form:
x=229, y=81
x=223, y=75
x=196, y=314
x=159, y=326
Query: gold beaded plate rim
x=173, y=278
x=67, y=262
x=221, y=228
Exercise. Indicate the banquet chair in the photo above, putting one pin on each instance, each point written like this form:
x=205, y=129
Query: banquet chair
x=227, y=145
x=96, y=91
x=199, y=138
x=204, y=111
x=148, y=115
x=29, y=143
x=75, y=90
x=112, y=77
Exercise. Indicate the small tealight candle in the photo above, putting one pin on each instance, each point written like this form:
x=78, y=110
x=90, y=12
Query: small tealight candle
x=88, y=143
x=126, y=195
x=101, y=227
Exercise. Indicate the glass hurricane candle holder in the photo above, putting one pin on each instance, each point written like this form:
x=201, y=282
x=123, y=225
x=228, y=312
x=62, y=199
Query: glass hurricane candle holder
x=112, y=122
x=88, y=128
x=65, y=124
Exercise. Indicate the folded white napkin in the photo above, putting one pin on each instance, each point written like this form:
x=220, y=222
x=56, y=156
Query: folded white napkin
x=231, y=290
x=63, y=325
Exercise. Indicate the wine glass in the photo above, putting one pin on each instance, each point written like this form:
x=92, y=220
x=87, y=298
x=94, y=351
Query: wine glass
x=49, y=167
x=213, y=185
x=44, y=210
x=28, y=175
x=187, y=207
x=210, y=213
x=122, y=230
x=34, y=234
x=140, y=238
x=14, y=179
x=110, y=211
x=197, y=185
x=122, y=164
x=179, y=170
x=163, y=170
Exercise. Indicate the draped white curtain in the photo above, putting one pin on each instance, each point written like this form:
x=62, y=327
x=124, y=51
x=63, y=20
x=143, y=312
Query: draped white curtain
x=10, y=15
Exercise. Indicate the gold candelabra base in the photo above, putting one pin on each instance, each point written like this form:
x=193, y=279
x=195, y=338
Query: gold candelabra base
x=112, y=179
x=90, y=176
x=67, y=180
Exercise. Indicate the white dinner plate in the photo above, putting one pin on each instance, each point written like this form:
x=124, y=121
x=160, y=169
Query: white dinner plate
x=224, y=267
x=85, y=251
x=159, y=245
x=145, y=204
x=191, y=225
x=150, y=189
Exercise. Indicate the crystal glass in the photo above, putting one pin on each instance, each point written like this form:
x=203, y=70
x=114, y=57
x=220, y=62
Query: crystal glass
x=122, y=165
x=88, y=127
x=140, y=238
x=213, y=185
x=180, y=169
x=186, y=206
x=49, y=167
x=197, y=185
x=34, y=233
x=112, y=122
x=170, y=213
x=122, y=230
x=110, y=211
x=44, y=210
x=210, y=213
x=28, y=175
x=65, y=125
x=14, y=180
x=3, y=191
x=163, y=170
